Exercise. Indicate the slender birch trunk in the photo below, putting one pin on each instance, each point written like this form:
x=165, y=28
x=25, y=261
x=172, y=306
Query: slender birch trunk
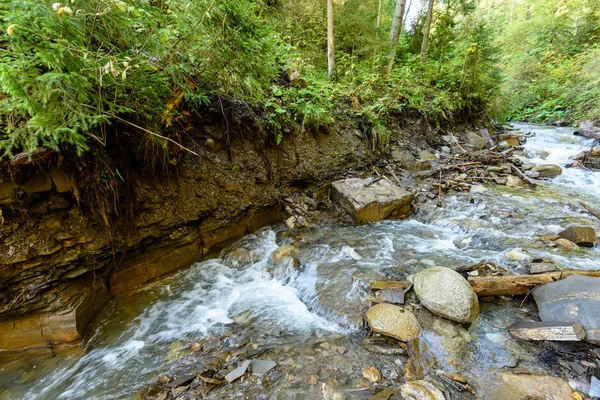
x=427, y=29
x=330, y=45
x=395, y=33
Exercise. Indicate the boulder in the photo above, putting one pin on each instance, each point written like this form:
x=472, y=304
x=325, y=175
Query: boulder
x=588, y=129
x=485, y=134
x=421, y=390
x=547, y=170
x=524, y=386
x=573, y=299
x=583, y=236
x=446, y=293
x=473, y=140
x=393, y=321
x=370, y=200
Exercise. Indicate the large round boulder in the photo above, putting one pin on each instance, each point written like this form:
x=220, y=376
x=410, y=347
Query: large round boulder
x=446, y=293
x=393, y=321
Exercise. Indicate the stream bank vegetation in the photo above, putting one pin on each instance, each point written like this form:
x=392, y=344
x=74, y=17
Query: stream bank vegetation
x=79, y=75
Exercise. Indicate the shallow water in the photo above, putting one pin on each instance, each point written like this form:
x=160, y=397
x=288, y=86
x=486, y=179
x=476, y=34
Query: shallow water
x=307, y=318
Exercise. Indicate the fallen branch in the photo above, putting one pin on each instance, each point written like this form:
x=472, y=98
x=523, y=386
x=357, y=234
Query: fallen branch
x=511, y=285
x=522, y=175
x=588, y=209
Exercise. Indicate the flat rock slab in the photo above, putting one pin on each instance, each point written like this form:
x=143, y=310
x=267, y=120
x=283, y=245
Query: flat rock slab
x=371, y=200
x=573, y=299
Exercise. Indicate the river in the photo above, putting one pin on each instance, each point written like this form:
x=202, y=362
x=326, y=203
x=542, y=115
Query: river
x=307, y=317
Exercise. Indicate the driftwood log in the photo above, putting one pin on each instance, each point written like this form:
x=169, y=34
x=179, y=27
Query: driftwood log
x=511, y=285
x=557, y=331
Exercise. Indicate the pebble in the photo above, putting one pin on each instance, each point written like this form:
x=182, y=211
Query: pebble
x=371, y=374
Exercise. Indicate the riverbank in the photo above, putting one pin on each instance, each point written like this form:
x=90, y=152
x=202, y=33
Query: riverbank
x=306, y=315
x=76, y=234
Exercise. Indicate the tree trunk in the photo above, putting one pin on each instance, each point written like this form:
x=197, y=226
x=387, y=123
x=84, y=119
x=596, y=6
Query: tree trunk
x=395, y=33
x=427, y=29
x=379, y=14
x=512, y=285
x=330, y=46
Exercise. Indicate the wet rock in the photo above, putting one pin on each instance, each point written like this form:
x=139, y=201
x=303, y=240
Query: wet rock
x=567, y=244
x=518, y=255
x=238, y=372
x=371, y=374
x=446, y=293
x=393, y=321
x=519, y=386
x=370, y=200
x=583, y=236
x=547, y=170
x=385, y=394
x=181, y=381
x=286, y=251
x=515, y=181
x=478, y=189
x=574, y=299
x=261, y=367
x=588, y=129
x=421, y=390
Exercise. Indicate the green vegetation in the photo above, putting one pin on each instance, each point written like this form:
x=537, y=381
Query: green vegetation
x=551, y=54
x=74, y=75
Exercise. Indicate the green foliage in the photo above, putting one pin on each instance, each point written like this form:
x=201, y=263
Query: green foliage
x=550, y=50
x=70, y=73
x=67, y=71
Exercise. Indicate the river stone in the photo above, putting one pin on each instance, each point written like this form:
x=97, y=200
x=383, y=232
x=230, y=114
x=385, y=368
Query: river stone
x=445, y=292
x=574, y=299
x=393, y=321
x=368, y=200
x=547, y=170
x=287, y=251
x=421, y=390
x=583, y=236
x=567, y=244
x=474, y=140
x=522, y=386
x=425, y=155
x=518, y=255
x=515, y=181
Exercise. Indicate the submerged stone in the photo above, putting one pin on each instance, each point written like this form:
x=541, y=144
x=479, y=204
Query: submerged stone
x=370, y=200
x=521, y=386
x=393, y=321
x=421, y=390
x=445, y=292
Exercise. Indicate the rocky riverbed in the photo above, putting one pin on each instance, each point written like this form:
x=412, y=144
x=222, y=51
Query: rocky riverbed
x=297, y=293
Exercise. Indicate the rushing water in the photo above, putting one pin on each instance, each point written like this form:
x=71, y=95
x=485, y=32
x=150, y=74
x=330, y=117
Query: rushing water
x=307, y=318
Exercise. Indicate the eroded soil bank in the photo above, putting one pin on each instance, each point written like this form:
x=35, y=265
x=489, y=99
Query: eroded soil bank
x=60, y=262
